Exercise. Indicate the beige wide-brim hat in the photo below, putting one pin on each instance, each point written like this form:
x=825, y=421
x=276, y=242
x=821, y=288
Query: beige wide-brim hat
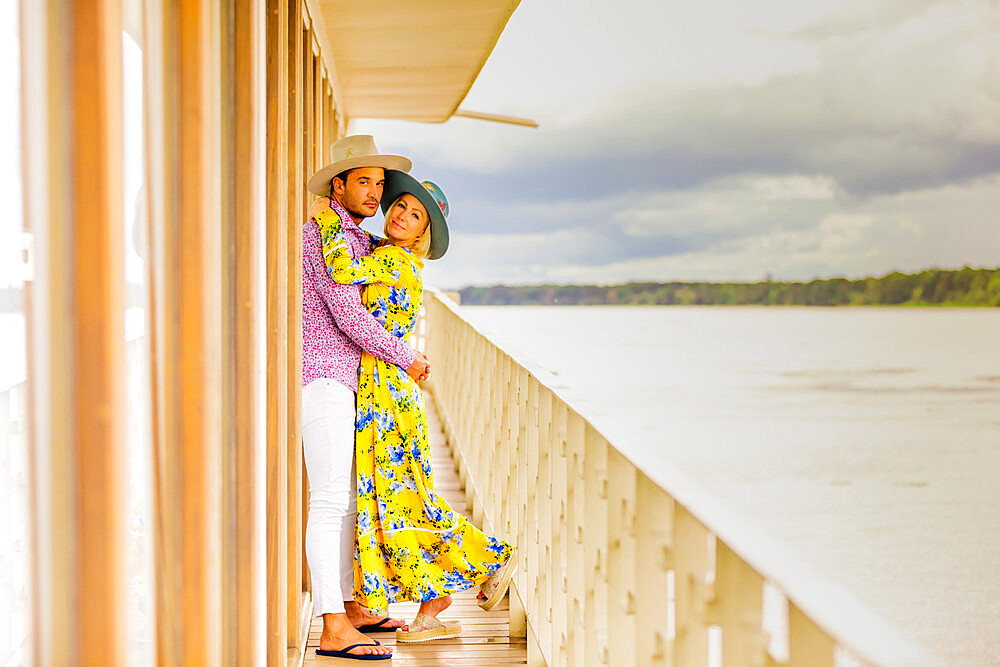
x=353, y=152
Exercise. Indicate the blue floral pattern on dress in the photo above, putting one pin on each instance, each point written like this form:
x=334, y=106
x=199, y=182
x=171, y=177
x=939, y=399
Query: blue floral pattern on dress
x=411, y=545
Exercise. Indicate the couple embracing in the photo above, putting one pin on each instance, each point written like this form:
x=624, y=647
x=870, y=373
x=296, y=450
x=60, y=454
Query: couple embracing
x=377, y=533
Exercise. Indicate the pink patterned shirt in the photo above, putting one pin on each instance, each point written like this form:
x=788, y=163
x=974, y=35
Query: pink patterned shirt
x=335, y=325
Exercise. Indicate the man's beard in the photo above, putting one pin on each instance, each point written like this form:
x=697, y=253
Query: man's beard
x=357, y=209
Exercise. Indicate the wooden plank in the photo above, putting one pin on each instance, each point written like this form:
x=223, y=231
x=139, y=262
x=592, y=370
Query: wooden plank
x=242, y=229
x=72, y=72
x=737, y=605
x=296, y=213
x=517, y=618
x=318, y=148
x=308, y=167
x=158, y=79
x=525, y=523
x=194, y=422
x=276, y=55
x=575, y=593
x=808, y=645
x=230, y=613
x=98, y=350
x=545, y=575
x=595, y=540
x=691, y=585
x=622, y=481
x=182, y=58
x=531, y=521
x=558, y=584
x=654, y=530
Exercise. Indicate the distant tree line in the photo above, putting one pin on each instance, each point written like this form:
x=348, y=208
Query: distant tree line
x=963, y=287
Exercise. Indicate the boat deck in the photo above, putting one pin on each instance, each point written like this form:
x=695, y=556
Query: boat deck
x=486, y=637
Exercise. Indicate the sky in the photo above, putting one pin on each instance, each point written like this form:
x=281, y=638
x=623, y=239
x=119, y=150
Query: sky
x=11, y=238
x=722, y=140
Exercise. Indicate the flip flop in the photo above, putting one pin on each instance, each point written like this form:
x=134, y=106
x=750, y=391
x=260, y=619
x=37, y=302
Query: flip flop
x=378, y=627
x=495, y=587
x=433, y=628
x=343, y=653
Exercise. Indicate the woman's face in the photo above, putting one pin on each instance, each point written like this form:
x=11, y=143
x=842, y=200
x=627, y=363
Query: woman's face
x=407, y=220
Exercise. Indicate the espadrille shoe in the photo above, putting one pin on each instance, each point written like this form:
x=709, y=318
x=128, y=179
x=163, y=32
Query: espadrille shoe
x=425, y=628
x=494, y=588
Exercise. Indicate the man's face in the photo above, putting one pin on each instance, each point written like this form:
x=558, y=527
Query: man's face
x=362, y=192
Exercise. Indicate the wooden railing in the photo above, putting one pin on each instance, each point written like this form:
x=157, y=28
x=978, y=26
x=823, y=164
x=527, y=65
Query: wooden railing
x=620, y=565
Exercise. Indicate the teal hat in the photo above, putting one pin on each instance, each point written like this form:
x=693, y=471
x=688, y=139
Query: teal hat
x=398, y=183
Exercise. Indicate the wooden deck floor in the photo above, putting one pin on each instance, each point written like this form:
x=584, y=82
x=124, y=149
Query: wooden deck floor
x=485, y=639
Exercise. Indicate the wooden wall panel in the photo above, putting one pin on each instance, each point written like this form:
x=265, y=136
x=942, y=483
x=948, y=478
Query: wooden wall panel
x=306, y=166
x=242, y=278
x=182, y=54
x=277, y=330
x=296, y=206
x=72, y=105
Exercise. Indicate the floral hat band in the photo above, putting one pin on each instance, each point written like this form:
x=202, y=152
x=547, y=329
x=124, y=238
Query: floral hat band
x=438, y=196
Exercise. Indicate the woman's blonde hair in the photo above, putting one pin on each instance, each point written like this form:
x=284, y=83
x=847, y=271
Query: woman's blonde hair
x=421, y=246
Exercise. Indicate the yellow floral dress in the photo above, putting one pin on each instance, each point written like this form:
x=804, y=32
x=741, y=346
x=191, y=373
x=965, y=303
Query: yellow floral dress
x=411, y=545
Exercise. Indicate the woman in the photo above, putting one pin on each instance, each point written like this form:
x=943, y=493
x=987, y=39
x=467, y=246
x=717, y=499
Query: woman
x=410, y=544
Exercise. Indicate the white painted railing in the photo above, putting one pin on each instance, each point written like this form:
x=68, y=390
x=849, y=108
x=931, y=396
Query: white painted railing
x=620, y=565
x=14, y=579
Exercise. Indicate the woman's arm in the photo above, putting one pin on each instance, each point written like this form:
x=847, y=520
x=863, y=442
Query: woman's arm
x=382, y=266
x=344, y=304
x=379, y=267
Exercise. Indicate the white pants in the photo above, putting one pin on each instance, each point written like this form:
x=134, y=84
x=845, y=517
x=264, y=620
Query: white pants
x=328, y=415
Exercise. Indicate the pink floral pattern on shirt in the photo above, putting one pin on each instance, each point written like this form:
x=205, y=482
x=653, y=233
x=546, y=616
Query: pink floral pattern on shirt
x=335, y=325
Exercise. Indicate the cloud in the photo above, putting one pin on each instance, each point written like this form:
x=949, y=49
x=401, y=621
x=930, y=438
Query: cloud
x=828, y=166
x=792, y=238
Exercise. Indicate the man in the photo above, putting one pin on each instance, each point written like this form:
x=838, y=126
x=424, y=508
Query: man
x=335, y=328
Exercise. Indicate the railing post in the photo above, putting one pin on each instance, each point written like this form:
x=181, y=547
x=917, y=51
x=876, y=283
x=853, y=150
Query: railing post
x=557, y=601
x=522, y=537
x=545, y=520
x=808, y=645
x=691, y=585
x=463, y=413
x=480, y=437
x=532, y=515
x=495, y=454
x=621, y=558
x=737, y=608
x=575, y=499
x=506, y=453
x=654, y=528
x=595, y=545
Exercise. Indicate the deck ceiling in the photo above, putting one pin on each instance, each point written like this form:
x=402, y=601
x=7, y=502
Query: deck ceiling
x=406, y=59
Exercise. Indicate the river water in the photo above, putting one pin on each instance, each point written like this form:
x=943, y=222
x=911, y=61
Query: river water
x=865, y=440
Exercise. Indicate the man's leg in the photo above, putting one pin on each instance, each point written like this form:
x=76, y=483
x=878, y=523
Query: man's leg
x=328, y=448
x=356, y=613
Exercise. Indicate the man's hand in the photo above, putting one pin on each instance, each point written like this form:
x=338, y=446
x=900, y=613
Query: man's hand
x=319, y=205
x=420, y=369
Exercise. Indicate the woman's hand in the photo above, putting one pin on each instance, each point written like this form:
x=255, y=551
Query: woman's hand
x=420, y=369
x=319, y=205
